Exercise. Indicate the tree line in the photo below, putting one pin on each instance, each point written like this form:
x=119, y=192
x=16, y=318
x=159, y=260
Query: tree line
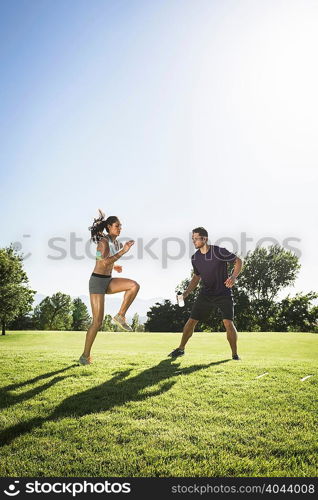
x=266, y=272
x=61, y=312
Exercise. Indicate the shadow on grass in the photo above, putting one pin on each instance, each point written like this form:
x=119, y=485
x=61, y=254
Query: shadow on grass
x=117, y=391
x=7, y=399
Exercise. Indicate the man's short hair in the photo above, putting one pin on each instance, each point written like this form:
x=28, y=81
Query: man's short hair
x=201, y=231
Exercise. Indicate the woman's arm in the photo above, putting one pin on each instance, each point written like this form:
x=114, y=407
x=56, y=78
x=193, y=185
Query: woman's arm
x=103, y=249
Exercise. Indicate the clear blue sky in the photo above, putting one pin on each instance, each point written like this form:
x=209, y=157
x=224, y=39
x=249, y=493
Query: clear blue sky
x=169, y=114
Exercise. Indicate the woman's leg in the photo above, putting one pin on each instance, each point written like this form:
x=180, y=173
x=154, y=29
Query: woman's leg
x=130, y=287
x=97, y=303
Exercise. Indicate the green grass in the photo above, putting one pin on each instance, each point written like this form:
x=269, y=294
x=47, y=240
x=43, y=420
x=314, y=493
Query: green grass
x=137, y=413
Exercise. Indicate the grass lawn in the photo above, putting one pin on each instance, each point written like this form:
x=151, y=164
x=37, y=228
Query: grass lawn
x=134, y=412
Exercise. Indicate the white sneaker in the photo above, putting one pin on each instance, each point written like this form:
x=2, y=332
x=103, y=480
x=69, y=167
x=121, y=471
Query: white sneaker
x=121, y=322
x=84, y=360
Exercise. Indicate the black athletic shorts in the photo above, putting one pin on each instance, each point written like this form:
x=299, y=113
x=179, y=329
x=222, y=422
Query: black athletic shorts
x=204, y=305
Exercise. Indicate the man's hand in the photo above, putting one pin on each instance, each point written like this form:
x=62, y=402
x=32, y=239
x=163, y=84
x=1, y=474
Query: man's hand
x=118, y=269
x=230, y=281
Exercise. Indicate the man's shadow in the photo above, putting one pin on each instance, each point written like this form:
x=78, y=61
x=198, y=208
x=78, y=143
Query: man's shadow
x=114, y=392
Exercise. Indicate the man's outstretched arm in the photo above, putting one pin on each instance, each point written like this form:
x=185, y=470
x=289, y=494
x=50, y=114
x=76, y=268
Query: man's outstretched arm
x=192, y=285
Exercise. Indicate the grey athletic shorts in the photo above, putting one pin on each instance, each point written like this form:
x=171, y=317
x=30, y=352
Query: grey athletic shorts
x=98, y=283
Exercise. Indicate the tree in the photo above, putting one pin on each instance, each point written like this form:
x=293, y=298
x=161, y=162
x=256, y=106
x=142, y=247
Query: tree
x=54, y=313
x=163, y=317
x=80, y=317
x=108, y=326
x=263, y=314
x=16, y=297
x=297, y=314
x=135, y=322
x=23, y=322
x=167, y=317
x=141, y=327
x=244, y=314
x=267, y=271
x=136, y=325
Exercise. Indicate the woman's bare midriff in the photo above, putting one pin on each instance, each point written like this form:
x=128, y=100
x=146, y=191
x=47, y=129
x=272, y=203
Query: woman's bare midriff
x=101, y=268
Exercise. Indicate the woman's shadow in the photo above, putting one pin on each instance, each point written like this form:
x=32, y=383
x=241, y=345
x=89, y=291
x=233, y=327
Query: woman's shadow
x=7, y=399
x=114, y=392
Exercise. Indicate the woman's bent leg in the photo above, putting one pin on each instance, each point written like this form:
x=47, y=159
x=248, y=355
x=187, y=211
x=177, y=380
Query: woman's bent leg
x=130, y=287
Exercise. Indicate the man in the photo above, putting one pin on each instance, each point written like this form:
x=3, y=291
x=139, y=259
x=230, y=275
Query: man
x=210, y=265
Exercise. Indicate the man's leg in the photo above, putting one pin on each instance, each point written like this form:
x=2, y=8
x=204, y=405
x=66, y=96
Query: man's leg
x=188, y=330
x=200, y=309
x=231, y=334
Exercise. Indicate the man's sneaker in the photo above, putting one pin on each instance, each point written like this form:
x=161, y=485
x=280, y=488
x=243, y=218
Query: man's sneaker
x=236, y=357
x=176, y=353
x=121, y=322
x=84, y=360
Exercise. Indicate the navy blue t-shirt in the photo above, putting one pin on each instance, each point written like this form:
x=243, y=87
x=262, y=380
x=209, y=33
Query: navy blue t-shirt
x=212, y=268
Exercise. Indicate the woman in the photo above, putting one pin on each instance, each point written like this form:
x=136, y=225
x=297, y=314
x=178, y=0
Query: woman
x=108, y=251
